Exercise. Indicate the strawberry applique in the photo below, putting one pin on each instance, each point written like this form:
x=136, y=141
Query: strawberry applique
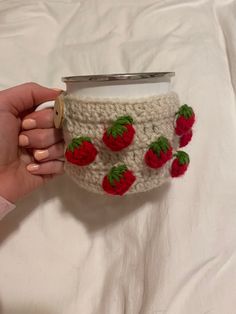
x=185, y=120
x=120, y=134
x=81, y=151
x=118, y=180
x=185, y=138
x=159, y=153
x=179, y=164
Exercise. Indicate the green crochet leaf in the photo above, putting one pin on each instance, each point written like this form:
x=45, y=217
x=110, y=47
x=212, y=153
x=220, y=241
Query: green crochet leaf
x=116, y=130
x=77, y=141
x=118, y=127
x=182, y=157
x=161, y=144
x=124, y=120
x=116, y=173
x=185, y=111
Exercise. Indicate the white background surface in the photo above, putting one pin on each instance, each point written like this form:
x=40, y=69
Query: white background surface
x=169, y=251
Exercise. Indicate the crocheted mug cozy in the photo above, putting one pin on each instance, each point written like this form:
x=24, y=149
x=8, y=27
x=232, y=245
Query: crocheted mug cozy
x=119, y=146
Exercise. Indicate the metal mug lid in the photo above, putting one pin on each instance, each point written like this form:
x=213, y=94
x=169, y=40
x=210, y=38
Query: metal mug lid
x=117, y=77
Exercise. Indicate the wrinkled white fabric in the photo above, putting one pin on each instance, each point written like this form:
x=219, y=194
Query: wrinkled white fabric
x=170, y=251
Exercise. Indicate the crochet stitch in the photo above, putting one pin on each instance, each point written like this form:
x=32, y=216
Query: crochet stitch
x=151, y=118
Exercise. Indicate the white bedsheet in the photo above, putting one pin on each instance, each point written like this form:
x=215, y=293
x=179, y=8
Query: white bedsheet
x=169, y=251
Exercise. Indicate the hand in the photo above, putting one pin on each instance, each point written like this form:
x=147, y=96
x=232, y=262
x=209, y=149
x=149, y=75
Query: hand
x=30, y=146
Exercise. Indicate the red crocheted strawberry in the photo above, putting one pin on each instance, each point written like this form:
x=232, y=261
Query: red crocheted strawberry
x=120, y=134
x=118, y=180
x=179, y=164
x=159, y=153
x=81, y=151
x=185, y=120
x=185, y=138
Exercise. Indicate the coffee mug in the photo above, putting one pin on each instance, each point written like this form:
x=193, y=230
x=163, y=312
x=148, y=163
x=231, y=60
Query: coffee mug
x=123, y=132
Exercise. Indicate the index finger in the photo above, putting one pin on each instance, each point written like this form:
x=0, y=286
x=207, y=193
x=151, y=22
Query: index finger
x=25, y=97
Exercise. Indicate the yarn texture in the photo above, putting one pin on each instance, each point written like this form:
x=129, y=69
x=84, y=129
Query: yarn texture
x=150, y=118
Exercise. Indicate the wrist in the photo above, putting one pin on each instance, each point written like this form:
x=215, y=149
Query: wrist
x=8, y=196
x=7, y=190
x=5, y=207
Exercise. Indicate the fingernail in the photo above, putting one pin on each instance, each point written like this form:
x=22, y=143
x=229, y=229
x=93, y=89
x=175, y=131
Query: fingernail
x=23, y=140
x=58, y=89
x=41, y=154
x=32, y=167
x=29, y=124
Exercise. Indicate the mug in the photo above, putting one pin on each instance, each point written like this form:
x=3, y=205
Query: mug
x=123, y=131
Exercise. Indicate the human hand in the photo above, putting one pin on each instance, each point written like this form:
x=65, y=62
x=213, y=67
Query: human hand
x=30, y=146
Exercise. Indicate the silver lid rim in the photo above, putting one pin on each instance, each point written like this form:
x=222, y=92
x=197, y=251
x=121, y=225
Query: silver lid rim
x=117, y=77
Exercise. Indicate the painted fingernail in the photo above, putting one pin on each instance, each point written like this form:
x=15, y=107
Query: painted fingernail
x=32, y=167
x=41, y=154
x=29, y=124
x=23, y=140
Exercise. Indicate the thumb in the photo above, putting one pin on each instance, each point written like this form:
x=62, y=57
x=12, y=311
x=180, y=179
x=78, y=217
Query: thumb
x=25, y=97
